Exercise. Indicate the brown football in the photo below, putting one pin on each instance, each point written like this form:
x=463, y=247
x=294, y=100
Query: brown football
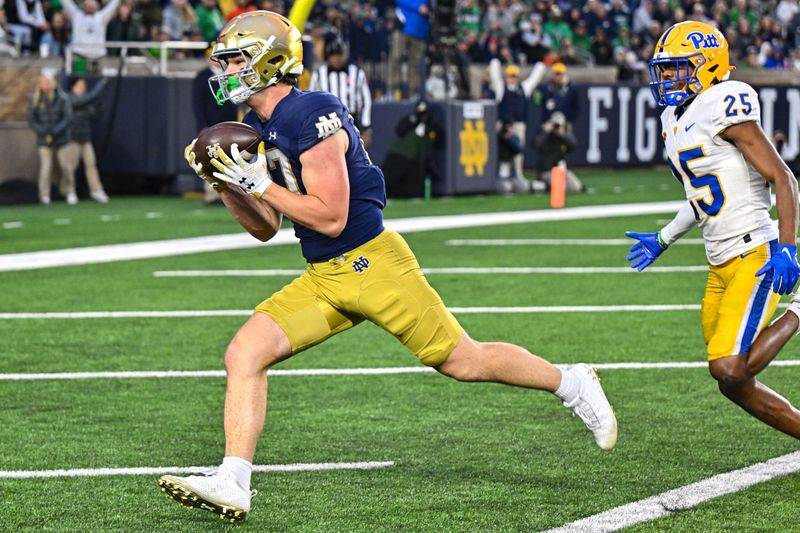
x=220, y=137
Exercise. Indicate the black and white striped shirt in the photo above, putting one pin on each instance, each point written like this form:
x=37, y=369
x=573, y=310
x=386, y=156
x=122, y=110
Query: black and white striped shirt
x=350, y=85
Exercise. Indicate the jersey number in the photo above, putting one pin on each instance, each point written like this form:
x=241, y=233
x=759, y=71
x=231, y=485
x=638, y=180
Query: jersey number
x=745, y=108
x=710, y=180
x=278, y=162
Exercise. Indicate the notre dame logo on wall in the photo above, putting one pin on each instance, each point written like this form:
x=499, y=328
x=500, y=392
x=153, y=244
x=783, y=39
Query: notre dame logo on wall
x=474, y=147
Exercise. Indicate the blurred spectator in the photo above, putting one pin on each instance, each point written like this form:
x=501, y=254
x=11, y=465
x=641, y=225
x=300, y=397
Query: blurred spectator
x=84, y=112
x=26, y=22
x=558, y=94
x=207, y=112
x=509, y=146
x=531, y=42
x=468, y=18
x=741, y=9
x=89, y=27
x=50, y=115
x=241, y=6
x=642, y=16
x=437, y=88
x=513, y=96
x=55, y=41
x=209, y=19
x=786, y=10
x=416, y=29
x=569, y=55
x=409, y=165
x=180, y=21
x=349, y=83
x=602, y=50
x=620, y=16
x=556, y=27
x=552, y=146
x=126, y=26
x=7, y=45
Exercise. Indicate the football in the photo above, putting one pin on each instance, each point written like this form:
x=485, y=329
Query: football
x=220, y=137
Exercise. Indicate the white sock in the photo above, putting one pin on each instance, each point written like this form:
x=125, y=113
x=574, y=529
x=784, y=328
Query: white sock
x=240, y=469
x=570, y=387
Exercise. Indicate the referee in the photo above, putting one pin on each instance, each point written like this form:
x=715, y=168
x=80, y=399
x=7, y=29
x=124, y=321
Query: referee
x=349, y=83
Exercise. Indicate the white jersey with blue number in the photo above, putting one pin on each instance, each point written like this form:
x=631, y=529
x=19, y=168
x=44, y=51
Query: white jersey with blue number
x=731, y=201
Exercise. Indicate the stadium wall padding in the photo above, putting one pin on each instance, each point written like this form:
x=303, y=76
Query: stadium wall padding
x=618, y=125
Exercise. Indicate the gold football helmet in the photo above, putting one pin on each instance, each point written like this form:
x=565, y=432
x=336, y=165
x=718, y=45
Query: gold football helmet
x=271, y=47
x=696, y=56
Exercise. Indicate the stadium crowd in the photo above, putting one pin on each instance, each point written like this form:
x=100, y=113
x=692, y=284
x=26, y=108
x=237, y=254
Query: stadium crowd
x=762, y=34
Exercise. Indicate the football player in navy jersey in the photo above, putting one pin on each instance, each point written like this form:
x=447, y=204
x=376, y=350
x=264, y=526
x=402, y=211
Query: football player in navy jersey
x=312, y=167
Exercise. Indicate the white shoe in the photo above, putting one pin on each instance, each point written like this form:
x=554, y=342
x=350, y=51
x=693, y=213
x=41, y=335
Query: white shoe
x=521, y=184
x=593, y=408
x=505, y=186
x=100, y=196
x=217, y=492
x=72, y=198
x=44, y=200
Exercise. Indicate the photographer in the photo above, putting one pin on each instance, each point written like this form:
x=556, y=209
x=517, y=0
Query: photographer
x=552, y=146
x=410, y=159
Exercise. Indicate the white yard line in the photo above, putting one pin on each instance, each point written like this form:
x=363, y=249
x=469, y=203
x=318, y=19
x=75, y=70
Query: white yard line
x=434, y=271
x=216, y=243
x=683, y=498
x=158, y=470
x=555, y=242
x=167, y=374
x=457, y=310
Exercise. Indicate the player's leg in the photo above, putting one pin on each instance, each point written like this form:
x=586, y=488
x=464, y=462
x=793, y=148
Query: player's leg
x=736, y=349
x=290, y=321
x=395, y=295
x=45, y=173
x=753, y=396
x=67, y=156
x=96, y=190
x=521, y=183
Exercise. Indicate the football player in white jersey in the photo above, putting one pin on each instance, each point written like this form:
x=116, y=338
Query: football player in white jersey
x=716, y=148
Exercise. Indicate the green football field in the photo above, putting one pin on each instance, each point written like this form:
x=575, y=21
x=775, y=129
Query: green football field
x=451, y=456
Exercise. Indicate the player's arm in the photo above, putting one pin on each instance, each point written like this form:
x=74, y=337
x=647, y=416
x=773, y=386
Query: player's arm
x=534, y=79
x=496, y=79
x=257, y=217
x=325, y=206
x=649, y=246
x=751, y=140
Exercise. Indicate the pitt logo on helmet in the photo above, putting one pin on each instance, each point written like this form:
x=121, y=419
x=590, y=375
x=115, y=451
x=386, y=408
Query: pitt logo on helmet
x=688, y=59
x=700, y=40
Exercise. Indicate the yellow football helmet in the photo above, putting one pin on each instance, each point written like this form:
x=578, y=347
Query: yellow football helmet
x=696, y=57
x=271, y=46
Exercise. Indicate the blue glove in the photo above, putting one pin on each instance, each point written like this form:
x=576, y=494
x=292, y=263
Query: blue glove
x=647, y=248
x=785, y=268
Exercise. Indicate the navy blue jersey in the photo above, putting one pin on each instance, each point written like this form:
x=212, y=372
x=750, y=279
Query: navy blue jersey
x=299, y=121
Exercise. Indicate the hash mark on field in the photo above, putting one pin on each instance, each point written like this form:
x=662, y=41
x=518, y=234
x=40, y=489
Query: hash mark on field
x=62, y=221
x=13, y=225
x=158, y=470
x=166, y=374
x=555, y=242
x=684, y=498
x=109, y=218
x=153, y=214
x=435, y=271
